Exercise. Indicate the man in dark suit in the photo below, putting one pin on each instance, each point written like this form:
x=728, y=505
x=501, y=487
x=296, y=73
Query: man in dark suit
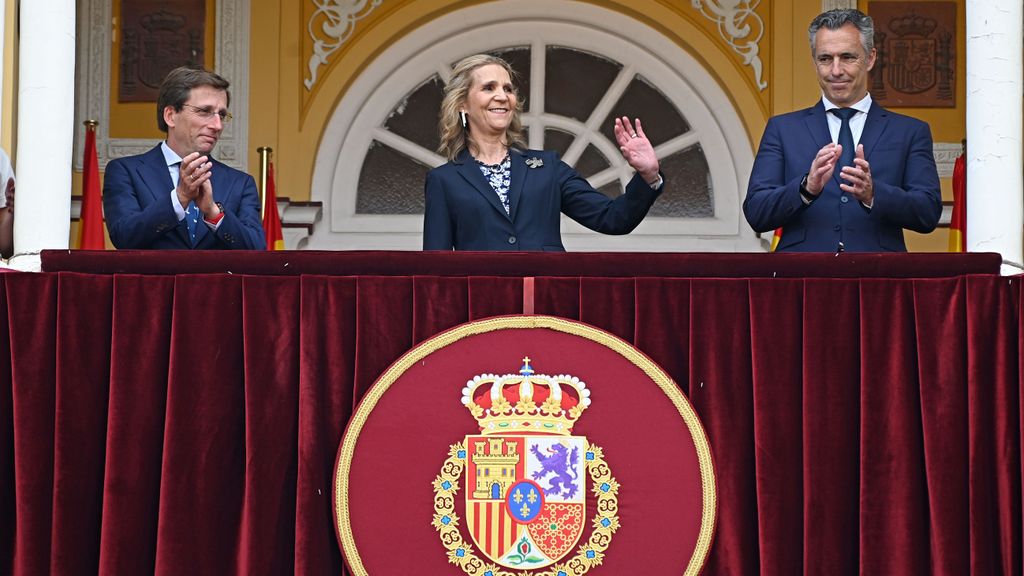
x=176, y=196
x=845, y=174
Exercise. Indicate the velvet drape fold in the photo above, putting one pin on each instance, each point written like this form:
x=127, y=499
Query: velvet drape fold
x=188, y=424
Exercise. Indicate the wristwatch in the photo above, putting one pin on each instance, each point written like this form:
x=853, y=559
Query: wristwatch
x=805, y=192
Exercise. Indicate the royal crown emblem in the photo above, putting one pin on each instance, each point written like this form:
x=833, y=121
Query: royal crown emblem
x=525, y=480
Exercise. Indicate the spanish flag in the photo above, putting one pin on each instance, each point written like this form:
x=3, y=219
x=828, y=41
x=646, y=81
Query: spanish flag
x=90, y=221
x=958, y=221
x=776, y=238
x=271, y=219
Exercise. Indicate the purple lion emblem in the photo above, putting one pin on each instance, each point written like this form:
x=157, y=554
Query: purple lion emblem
x=562, y=463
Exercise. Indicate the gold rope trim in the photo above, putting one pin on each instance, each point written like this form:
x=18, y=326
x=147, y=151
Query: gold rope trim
x=655, y=373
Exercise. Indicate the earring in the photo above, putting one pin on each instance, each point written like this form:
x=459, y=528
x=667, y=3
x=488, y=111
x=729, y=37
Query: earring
x=462, y=114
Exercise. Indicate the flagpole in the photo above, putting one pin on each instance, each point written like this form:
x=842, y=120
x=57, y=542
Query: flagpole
x=90, y=216
x=264, y=152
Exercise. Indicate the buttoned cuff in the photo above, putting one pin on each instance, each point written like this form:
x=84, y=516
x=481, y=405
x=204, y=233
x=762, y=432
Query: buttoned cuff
x=178, y=210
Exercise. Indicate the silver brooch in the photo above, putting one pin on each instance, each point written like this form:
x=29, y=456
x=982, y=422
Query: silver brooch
x=534, y=162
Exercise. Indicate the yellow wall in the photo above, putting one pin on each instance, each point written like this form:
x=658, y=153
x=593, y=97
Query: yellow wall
x=7, y=99
x=290, y=119
x=138, y=119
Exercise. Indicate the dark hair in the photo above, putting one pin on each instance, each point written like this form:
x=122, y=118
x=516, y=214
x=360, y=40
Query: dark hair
x=177, y=87
x=836, y=19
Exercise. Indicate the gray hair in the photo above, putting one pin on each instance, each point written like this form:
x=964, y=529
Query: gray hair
x=836, y=19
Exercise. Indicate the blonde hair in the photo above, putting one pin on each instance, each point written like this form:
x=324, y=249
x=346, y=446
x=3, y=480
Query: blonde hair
x=455, y=138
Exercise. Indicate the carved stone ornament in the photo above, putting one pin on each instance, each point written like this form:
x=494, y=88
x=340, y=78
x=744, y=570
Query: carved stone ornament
x=916, y=62
x=156, y=40
x=330, y=26
x=93, y=82
x=827, y=5
x=741, y=27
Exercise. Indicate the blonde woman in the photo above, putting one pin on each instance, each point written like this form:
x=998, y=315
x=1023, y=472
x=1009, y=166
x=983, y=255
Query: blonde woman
x=495, y=194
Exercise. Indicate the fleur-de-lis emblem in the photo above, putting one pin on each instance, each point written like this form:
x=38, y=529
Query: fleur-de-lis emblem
x=534, y=162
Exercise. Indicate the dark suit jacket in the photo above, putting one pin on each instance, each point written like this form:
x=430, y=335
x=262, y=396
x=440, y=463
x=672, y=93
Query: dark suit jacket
x=463, y=211
x=137, y=207
x=906, y=184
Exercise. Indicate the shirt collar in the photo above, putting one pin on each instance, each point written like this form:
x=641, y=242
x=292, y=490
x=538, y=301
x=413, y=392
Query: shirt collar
x=863, y=106
x=170, y=156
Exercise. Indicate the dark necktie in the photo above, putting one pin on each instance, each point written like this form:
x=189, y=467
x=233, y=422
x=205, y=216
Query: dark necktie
x=191, y=216
x=845, y=136
x=191, y=220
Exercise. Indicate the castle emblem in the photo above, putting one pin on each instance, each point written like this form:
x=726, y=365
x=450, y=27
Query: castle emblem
x=526, y=480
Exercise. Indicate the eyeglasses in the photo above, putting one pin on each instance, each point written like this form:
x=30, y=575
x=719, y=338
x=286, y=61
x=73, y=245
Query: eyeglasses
x=208, y=113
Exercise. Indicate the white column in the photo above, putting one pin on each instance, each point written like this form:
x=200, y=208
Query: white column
x=3, y=38
x=995, y=185
x=46, y=123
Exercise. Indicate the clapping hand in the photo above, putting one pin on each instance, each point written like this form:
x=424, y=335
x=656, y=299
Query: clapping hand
x=9, y=195
x=822, y=167
x=193, y=177
x=194, y=184
x=637, y=149
x=857, y=179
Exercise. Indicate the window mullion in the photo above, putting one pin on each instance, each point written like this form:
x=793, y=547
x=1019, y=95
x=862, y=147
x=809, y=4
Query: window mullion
x=409, y=148
x=599, y=115
x=538, y=61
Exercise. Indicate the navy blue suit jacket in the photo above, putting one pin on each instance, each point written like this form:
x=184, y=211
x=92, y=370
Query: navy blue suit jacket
x=463, y=211
x=906, y=184
x=137, y=207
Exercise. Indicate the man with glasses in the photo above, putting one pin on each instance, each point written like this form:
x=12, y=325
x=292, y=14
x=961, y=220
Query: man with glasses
x=845, y=174
x=176, y=196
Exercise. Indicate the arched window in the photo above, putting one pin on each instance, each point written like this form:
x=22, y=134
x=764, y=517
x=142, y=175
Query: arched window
x=580, y=66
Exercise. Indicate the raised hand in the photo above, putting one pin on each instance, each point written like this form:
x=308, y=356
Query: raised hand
x=857, y=179
x=193, y=173
x=822, y=166
x=637, y=149
x=9, y=195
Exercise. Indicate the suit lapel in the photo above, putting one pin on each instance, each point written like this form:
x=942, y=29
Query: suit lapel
x=874, y=126
x=518, y=177
x=817, y=125
x=155, y=174
x=817, y=122
x=470, y=171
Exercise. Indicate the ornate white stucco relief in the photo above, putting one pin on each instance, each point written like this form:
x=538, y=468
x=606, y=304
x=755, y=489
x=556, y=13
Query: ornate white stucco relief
x=740, y=26
x=331, y=26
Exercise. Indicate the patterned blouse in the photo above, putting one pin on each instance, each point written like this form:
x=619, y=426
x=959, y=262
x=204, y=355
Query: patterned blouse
x=500, y=177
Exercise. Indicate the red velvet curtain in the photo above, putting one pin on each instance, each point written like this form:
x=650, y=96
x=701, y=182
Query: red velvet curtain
x=188, y=424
